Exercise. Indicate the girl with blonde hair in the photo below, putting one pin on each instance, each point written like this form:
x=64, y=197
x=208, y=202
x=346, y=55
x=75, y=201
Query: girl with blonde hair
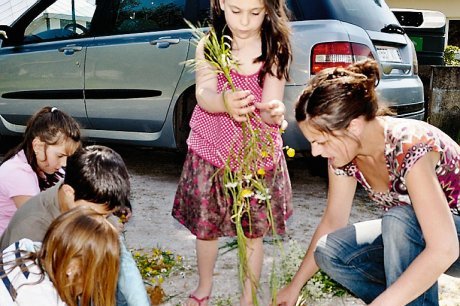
x=77, y=264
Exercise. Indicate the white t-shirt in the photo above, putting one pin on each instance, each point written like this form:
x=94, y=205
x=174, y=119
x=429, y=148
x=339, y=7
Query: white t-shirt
x=24, y=283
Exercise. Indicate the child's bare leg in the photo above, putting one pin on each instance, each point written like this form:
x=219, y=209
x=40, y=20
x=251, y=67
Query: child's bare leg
x=255, y=252
x=206, y=254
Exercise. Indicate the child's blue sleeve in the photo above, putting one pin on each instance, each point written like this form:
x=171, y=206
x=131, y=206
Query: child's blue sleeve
x=131, y=289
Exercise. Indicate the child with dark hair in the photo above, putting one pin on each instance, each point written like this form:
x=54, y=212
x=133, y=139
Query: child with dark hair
x=408, y=167
x=97, y=177
x=36, y=163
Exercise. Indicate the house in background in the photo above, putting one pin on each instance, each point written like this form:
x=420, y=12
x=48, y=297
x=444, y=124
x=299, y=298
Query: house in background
x=56, y=16
x=450, y=8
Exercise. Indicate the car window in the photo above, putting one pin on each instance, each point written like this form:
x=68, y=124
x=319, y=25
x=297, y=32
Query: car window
x=64, y=19
x=368, y=14
x=13, y=9
x=146, y=16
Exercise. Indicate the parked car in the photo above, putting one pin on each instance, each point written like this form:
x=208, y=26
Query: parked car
x=117, y=65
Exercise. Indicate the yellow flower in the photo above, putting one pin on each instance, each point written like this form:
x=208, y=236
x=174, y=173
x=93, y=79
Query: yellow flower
x=264, y=154
x=290, y=152
x=261, y=172
x=246, y=193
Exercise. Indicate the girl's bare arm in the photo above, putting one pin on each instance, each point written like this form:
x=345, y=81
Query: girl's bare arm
x=236, y=103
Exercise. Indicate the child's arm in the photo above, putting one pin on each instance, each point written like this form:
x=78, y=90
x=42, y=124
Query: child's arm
x=272, y=108
x=236, y=103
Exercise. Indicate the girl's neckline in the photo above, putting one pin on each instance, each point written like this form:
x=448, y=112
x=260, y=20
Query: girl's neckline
x=234, y=70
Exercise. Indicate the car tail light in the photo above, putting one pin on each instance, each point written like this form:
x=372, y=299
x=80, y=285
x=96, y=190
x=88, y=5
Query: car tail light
x=337, y=54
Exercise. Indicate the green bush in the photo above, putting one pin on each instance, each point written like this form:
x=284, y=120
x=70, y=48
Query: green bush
x=449, y=55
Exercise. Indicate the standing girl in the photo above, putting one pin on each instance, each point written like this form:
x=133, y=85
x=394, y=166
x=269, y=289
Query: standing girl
x=36, y=163
x=260, y=44
x=410, y=168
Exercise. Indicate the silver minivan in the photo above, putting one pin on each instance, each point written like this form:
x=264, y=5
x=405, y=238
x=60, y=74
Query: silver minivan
x=117, y=65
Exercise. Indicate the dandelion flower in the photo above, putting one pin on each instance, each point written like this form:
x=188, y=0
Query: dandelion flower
x=290, y=152
x=261, y=172
x=264, y=154
x=246, y=193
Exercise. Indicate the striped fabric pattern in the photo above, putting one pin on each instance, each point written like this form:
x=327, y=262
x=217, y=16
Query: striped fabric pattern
x=21, y=286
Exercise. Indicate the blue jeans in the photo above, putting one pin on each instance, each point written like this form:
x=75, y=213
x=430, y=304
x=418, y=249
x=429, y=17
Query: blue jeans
x=354, y=256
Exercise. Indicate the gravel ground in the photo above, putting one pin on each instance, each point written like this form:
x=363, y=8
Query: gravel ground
x=154, y=179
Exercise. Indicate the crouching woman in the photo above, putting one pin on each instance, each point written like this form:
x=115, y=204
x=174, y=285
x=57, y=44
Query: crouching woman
x=410, y=168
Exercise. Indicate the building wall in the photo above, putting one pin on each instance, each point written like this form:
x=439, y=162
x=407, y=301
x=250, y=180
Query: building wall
x=450, y=8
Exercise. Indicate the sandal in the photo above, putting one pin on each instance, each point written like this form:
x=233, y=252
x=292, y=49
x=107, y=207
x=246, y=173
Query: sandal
x=198, y=300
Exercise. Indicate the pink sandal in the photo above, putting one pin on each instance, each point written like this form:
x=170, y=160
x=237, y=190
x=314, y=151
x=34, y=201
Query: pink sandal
x=198, y=300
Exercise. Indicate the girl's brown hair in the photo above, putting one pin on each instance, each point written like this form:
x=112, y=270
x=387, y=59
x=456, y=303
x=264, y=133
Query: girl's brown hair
x=335, y=96
x=82, y=234
x=275, y=35
x=52, y=126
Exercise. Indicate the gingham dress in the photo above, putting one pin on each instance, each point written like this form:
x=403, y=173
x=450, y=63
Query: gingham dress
x=200, y=203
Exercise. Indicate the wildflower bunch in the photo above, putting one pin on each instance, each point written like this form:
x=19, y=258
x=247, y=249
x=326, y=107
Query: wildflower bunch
x=156, y=264
x=244, y=175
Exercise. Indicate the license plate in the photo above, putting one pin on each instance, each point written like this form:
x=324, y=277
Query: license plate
x=389, y=54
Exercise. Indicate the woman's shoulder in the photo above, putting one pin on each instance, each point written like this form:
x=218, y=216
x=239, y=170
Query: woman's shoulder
x=411, y=131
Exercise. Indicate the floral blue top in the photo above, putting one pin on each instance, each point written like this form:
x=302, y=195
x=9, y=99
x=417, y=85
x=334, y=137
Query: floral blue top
x=406, y=141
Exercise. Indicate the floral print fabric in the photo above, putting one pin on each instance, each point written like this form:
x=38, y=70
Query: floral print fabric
x=406, y=141
x=201, y=205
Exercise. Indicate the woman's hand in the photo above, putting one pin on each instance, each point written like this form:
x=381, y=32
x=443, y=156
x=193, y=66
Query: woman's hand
x=272, y=112
x=237, y=104
x=287, y=296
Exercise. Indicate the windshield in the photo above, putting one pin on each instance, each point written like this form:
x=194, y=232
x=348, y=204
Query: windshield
x=368, y=14
x=10, y=10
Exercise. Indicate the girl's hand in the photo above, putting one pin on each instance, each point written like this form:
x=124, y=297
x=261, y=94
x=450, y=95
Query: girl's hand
x=272, y=112
x=237, y=104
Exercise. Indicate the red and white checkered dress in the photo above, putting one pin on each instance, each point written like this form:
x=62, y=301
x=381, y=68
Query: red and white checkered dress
x=200, y=203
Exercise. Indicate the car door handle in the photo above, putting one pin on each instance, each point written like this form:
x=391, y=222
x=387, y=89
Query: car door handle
x=165, y=42
x=69, y=50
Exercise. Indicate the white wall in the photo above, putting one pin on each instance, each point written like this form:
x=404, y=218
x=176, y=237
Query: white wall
x=450, y=8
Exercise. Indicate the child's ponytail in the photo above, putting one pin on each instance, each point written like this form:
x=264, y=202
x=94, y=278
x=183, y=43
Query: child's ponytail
x=52, y=126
